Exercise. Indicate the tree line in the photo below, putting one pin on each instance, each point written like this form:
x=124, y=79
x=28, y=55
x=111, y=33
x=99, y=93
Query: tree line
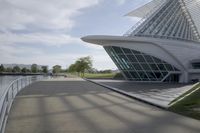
x=80, y=66
x=16, y=69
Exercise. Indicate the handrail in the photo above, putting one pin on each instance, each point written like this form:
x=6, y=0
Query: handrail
x=9, y=94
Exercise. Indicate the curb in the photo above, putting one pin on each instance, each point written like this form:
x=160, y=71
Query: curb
x=126, y=94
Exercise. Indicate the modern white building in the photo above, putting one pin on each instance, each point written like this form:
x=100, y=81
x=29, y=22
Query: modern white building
x=164, y=46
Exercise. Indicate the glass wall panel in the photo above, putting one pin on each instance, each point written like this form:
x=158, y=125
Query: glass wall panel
x=127, y=51
x=148, y=58
x=145, y=66
x=117, y=50
x=138, y=66
x=140, y=58
x=132, y=58
x=196, y=65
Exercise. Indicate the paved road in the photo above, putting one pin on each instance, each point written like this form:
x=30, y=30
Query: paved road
x=83, y=107
x=160, y=94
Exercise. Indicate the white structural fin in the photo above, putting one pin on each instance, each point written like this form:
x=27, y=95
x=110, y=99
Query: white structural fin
x=173, y=19
x=146, y=9
x=193, y=6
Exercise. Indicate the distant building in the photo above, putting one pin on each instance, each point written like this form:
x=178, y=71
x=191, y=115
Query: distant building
x=164, y=46
x=28, y=66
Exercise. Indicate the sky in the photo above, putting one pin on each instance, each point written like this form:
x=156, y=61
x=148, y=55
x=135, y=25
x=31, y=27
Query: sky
x=48, y=32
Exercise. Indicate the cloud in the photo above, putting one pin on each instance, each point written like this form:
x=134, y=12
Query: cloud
x=44, y=22
x=37, y=38
x=121, y=2
x=41, y=14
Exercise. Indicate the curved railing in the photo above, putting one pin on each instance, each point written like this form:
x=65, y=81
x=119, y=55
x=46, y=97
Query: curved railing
x=9, y=94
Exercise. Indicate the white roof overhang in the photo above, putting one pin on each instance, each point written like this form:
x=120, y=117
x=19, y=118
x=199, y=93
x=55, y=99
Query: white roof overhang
x=172, y=51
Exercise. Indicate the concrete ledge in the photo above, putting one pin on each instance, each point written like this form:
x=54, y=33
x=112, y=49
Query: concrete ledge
x=127, y=94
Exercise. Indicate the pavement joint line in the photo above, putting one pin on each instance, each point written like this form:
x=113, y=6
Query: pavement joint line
x=181, y=98
x=127, y=94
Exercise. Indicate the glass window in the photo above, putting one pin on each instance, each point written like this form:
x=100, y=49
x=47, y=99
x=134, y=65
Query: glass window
x=127, y=75
x=134, y=75
x=127, y=51
x=131, y=66
x=140, y=58
x=169, y=67
x=158, y=75
x=161, y=67
x=132, y=58
x=146, y=66
x=143, y=75
x=164, y=73
x=196, y=65
x=154, y=67
x=118, y=50
x=151, y=75
x=172, y=78
x=123, y=57
x=148, y=58
x=137, y=66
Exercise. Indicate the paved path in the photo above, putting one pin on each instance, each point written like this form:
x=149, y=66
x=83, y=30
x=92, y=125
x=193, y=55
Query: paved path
x=83, y=107
x=160, y=94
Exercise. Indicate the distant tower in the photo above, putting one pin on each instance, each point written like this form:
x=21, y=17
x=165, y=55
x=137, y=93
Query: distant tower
x=164, y=46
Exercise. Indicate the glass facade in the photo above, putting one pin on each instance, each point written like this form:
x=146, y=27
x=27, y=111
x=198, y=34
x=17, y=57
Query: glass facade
x=138, y=66
x=196, y=65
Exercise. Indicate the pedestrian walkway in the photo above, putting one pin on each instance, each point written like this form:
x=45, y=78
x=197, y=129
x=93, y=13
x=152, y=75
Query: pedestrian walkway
x=82, y=107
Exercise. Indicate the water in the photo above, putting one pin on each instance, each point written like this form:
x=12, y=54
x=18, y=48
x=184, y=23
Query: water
x=5, y=81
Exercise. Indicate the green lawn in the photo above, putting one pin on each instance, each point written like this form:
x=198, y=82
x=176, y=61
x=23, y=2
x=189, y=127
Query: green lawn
x=100, y=75
x=189, y=105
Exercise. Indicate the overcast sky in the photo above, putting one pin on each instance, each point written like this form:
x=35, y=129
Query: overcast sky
x=48, y=32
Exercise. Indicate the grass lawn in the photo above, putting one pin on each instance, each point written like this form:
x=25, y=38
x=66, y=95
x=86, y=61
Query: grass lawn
x=188, y=104
x=100, y=75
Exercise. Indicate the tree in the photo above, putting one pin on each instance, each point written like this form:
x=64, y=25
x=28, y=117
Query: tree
x=28, y=70
x=16, y=69
x=44, y=69
x=24, y=70
x=9, y=69
x=82, y=64
x=2, y=69
x=34, y=68
x=72, y=68
x=56, y=69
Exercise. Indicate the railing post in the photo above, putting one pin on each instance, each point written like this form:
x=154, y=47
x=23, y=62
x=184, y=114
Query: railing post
x=17, y=85
x=21, y=83
x=7, y=102
x=12, y=91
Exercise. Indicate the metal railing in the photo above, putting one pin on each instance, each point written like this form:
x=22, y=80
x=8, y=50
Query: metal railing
x=9, y=94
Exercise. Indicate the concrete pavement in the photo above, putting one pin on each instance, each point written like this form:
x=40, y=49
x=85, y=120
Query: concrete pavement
x=77, y=106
